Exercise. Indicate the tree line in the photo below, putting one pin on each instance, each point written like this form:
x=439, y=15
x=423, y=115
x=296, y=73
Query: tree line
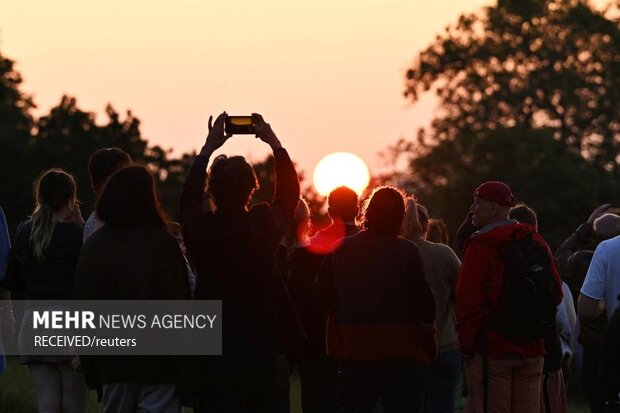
x=67, y=136
x=528, y=93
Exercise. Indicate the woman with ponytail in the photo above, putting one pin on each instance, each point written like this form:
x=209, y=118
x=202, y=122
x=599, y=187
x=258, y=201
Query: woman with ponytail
x=441, y=268
x=42, y=264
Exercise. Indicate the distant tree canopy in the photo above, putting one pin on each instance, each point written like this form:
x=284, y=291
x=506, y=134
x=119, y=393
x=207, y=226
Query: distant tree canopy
x=529, y=92
x=67, y=136
x=529, y=64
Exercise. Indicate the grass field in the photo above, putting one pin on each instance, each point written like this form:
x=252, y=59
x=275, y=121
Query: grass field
x=17, y=393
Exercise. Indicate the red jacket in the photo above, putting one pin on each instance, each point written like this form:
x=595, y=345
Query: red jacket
x=478, y=291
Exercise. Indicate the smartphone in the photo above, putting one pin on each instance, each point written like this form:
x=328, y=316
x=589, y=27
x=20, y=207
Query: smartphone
x=239, y=125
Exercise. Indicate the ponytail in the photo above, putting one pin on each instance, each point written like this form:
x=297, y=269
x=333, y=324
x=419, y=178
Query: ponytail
x=416, y=220
x=411, y=226
x=42, y=229
x=53, y=189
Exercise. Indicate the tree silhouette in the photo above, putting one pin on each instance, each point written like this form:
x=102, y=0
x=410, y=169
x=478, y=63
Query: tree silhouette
x=560, y=185
x=66, y=137
x=16, y=124
x=528, y=93
x=530, y=64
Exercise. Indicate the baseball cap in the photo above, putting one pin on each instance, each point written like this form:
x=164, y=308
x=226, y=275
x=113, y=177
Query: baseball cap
x=495, y=191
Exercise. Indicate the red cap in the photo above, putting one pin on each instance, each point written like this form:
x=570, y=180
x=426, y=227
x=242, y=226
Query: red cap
x=495, y=191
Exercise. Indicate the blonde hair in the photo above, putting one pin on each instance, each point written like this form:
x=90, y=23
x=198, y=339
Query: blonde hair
x=52, y=190
x=415, y=226
x=298, y=233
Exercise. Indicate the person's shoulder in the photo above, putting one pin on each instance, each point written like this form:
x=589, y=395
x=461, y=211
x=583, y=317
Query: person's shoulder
x=22, y=234
x=156, y=235
x=70, y=228
x=262, y=208
x=349, y=241
x=405, y=245
x=93, y=221
x=441, y=249
x=611, y=244
x=198, y=218
x=101, y=237
x=25, y=225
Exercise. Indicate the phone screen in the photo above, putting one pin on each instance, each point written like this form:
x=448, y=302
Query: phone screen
x=239, y=125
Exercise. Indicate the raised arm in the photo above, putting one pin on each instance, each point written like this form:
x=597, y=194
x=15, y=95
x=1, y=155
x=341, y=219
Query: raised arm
x=193, y=188
x=577, y=240
x=286, y=194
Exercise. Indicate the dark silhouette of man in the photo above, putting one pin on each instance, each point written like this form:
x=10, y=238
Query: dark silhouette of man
x=342, y=208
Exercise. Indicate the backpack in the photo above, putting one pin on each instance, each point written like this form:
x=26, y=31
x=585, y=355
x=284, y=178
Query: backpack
x=527, y=304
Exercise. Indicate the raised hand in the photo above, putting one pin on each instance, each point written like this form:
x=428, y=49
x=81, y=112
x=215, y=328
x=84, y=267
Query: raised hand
x=216, y=137
x=264, y=132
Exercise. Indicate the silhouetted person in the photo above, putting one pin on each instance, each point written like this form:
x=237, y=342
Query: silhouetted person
x=42, y=264
x=597, y=301
x=499, y=328
x=133, y=257
x=381, y=312
x=441, y=269
x=575, y=252
x=7, y=320
x=234, y=251
x=342, y=208
x=574, y=256
x=317, y=371
x=103, y=163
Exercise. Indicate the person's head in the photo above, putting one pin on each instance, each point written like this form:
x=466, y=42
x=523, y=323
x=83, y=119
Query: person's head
x=54, y=190
x=342, y=204
x=231, y=182
x=103, y=163
x=129, y=200
x=384, y=211
x=415, y=223
x=525, y=215
x=437, y=231
x=606, y=226
x=492, y=203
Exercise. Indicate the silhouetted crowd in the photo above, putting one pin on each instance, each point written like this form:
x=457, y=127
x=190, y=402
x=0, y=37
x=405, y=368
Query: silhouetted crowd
x=376, y=312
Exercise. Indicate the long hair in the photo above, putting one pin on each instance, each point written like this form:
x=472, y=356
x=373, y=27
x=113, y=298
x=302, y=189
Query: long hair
x=415, y=223
x=298, y=232
x=384, y=211
x=129, y=200
x=53, y=189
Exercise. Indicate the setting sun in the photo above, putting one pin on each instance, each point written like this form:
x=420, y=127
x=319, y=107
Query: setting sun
x=340, y=168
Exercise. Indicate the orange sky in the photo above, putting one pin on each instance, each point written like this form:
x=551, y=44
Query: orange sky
x=327, y=75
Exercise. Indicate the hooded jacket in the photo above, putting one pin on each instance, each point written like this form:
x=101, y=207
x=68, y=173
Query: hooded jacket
x=479, y=289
